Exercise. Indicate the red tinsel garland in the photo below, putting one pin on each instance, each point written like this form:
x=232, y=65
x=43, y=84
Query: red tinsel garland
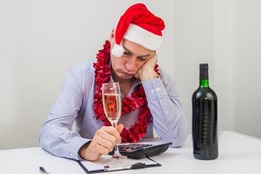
x=136, y=101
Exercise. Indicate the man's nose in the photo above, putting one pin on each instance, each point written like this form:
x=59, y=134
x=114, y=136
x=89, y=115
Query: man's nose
x=131, y=64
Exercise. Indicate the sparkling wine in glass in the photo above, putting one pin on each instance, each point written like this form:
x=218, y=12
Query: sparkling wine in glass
x=111, y=99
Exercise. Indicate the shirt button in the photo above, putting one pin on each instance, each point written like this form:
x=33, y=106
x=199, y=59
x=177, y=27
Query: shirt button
x=158, y=88
x=71, y=155
x=152, y=91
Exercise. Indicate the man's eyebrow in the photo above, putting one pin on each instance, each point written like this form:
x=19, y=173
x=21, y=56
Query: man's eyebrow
x=141, y=56
x=144, y=56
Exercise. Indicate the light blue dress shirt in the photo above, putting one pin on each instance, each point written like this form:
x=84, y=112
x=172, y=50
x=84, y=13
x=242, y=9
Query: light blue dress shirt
x=75, y=104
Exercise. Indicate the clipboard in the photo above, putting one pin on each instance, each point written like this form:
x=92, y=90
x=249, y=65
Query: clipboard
x=103, y=164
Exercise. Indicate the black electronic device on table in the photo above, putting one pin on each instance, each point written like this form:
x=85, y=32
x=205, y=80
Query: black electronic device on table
x=142, y=150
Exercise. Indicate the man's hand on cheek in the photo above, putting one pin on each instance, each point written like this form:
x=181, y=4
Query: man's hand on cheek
x=146, y=72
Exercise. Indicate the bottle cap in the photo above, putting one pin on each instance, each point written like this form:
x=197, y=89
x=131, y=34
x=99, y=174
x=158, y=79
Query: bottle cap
x=203, y=66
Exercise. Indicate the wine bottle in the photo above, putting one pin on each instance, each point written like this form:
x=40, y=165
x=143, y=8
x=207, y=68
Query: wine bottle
x=204, y=118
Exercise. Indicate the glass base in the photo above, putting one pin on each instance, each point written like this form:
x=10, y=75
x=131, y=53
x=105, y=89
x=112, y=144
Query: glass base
x=117, y=162
x=118, y=156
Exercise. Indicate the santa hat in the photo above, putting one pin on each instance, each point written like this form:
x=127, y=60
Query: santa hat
x=140, y=26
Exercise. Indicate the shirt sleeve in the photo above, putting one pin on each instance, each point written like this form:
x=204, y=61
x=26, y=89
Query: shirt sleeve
x=168, y=118
x=56, y=135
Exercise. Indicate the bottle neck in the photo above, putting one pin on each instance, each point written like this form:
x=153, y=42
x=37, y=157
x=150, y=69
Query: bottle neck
x=203, y=78
x=204, y=84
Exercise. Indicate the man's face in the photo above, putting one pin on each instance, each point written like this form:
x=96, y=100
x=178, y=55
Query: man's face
x=133, y=58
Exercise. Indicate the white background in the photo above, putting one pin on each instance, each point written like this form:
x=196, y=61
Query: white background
x=40, y=40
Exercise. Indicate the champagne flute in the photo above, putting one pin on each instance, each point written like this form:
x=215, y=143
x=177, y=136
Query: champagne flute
x=111, y=100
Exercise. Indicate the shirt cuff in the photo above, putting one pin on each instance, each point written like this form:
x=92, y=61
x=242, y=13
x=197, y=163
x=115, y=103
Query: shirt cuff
x=75, y=146
x=154, y=89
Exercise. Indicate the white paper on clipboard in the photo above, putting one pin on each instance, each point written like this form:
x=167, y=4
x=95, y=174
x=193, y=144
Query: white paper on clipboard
x=122, y=164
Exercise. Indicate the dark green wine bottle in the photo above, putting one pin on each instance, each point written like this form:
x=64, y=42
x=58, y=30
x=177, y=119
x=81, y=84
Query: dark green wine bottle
x=204, y=118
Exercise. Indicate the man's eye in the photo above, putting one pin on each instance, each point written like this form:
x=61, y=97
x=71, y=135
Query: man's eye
x=126, y=53
x=142, y=59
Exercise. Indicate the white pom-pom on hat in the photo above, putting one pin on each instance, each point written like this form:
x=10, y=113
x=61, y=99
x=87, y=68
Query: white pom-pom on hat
x=117, y=50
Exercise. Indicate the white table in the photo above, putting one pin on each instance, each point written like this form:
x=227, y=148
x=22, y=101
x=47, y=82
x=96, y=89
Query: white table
x=238, y=153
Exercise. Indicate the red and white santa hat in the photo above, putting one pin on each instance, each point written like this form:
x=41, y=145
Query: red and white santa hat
x=140, y=26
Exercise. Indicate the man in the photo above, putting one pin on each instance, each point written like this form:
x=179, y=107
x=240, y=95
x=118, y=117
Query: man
x=149, y=94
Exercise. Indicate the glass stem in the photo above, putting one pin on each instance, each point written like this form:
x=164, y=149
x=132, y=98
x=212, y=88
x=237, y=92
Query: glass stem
x=114, y=124
x=116, y=150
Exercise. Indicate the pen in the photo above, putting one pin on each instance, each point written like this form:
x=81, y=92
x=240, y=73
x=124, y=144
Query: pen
x=115, y=168
x=42, y=169
x=124, y=167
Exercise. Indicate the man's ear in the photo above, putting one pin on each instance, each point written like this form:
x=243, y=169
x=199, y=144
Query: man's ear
x=112, y=34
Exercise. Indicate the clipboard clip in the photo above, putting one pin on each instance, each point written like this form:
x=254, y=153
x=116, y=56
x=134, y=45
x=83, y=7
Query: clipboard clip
x=136, y=165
